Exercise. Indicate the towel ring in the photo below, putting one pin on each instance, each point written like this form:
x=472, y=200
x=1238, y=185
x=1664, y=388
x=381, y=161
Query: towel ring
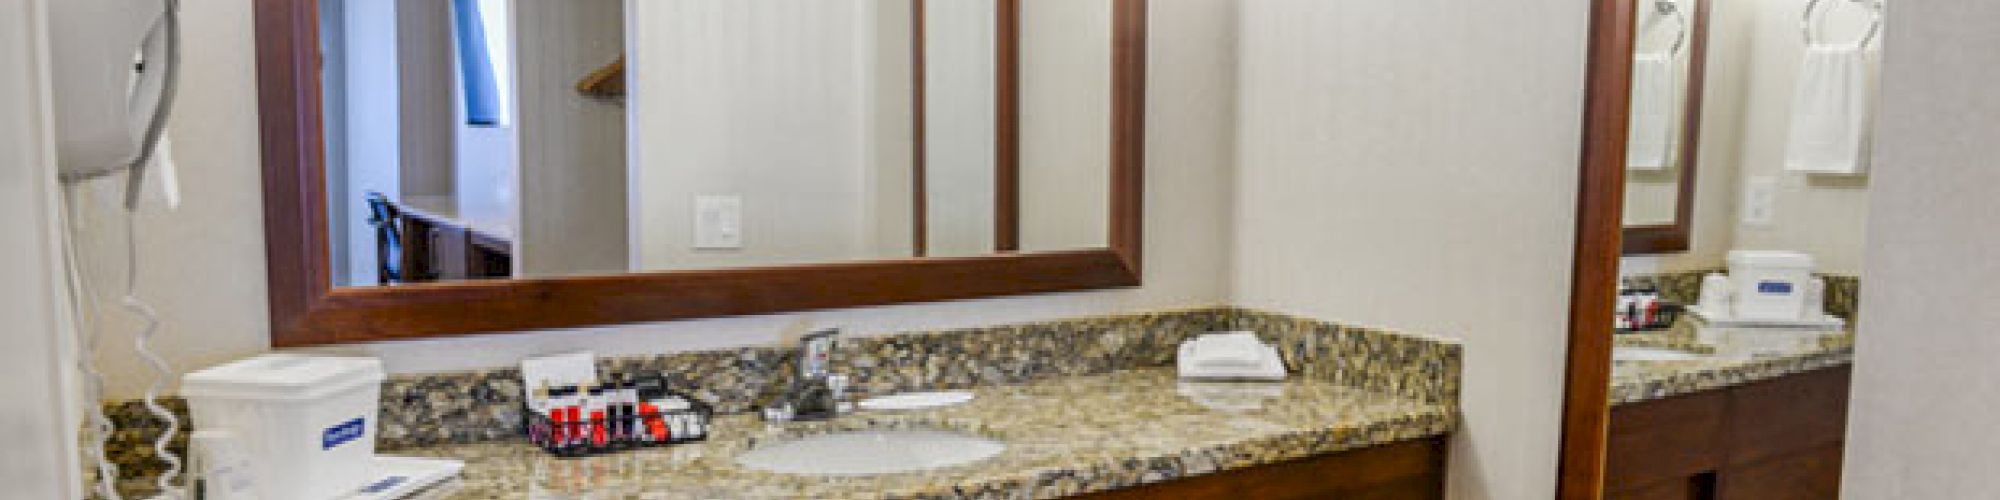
x=1806, y=24
x=1668, y=7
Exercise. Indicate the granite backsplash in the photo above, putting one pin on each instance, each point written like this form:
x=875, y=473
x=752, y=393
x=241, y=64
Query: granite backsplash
x=1843, y=293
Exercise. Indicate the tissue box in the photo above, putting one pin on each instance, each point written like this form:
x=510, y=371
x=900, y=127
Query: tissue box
x=305, y=425
x=1770, y=285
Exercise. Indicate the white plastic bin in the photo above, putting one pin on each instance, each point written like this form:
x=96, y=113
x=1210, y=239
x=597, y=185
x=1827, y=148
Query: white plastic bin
x=306, y=424
x=1770, y=285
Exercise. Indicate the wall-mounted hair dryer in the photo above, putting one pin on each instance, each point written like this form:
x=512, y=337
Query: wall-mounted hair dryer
x=115, y=66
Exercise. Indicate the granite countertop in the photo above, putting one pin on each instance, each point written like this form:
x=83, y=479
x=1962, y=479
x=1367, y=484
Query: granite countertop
x=1637, y=381
x=1065, y=436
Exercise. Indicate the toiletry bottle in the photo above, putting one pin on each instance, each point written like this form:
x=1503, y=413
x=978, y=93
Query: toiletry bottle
x=628, y=409
x=594, y=410
x=618, y=409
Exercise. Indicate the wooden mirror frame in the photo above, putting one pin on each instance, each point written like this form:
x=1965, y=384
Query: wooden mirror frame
x=306, y=309
x=1678, y=236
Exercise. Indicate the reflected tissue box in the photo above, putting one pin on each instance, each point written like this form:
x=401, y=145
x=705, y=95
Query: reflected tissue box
x=1229, y=356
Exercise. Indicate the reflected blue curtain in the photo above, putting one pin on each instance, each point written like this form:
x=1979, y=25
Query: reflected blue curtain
x=475, y=61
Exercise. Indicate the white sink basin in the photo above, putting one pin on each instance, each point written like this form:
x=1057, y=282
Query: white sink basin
x=1651, y=354
x=863, y=453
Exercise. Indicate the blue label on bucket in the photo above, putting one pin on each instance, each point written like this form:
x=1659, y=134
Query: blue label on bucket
x=1774, y=287
x=343, y=433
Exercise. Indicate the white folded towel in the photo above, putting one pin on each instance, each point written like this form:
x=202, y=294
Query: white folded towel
x=1831, y=115
x=1650, y=143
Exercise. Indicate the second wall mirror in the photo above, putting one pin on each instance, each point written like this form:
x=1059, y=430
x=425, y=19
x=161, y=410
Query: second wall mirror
x=1663, y=149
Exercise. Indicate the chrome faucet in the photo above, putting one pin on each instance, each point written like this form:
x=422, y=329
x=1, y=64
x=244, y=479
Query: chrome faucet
x=815, y=391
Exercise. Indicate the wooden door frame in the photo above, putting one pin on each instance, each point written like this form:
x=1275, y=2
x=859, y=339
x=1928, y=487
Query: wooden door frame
x=1598, y=247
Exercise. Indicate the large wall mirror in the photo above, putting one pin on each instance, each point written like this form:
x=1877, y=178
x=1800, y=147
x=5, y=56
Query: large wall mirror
x=1663, y=146
x=439, y=167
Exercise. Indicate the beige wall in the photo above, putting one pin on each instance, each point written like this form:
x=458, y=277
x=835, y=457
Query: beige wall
x=1065, y=124
x=1818, y=214
x=893, y=146
x=768, y=104
x=572, y=163
x=204, y=264
x=1413, y=165
x=959, y=127
x=1926, y=393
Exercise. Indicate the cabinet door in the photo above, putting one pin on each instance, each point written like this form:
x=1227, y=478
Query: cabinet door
x=1671, y=440
x=1411, y=470
x=1810, y=475
x=1788, y=415
x=451, y=253
x=419, y=251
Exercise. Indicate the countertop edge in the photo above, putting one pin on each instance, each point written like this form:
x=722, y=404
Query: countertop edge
x=1688, y=382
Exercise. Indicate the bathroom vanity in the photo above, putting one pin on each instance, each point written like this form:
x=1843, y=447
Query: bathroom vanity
x=1087, y=407
x=1723, y=427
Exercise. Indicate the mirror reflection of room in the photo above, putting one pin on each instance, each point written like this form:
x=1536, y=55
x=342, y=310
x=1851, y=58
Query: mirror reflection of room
x=1738, y=345
x=484, y=139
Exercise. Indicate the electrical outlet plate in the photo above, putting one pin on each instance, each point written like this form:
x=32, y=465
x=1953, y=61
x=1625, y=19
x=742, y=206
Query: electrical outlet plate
x=1760, y=201
x=718, y=222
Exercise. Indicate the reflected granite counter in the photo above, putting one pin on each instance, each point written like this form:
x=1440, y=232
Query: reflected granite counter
x=1064, y=436
x=1637, y=381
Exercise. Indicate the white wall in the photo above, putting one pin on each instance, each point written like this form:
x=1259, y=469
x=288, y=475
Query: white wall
x=39, y=422
x=572, y=163
x=372, y=143
x=1413, y=165
x=215, y=242
x=1926, y=391
x=1065, y=124
x=959, y=115
x=766, y=101
x=487, y=174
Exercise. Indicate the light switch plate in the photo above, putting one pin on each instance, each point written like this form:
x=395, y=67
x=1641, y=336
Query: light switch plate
x=718, y=222
x=1760, y=201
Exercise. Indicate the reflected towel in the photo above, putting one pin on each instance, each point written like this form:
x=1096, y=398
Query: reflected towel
x=1830, y=114
x=1650, y=143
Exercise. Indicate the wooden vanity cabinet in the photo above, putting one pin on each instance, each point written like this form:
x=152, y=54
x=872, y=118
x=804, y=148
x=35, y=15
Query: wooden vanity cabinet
x=1778, y=439
x=1406, y=470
